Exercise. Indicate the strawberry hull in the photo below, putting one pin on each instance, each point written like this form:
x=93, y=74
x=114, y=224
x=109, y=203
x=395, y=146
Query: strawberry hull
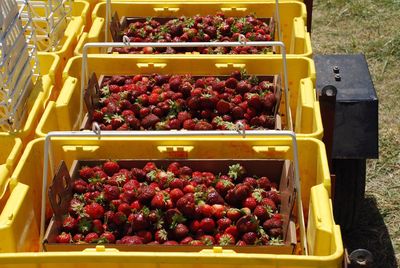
x=279, y=172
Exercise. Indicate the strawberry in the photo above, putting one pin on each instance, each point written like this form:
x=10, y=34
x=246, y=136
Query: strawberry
x=176, y=183
x=146, y=236
x=250, y=202
x=195, y=226
x=158, y=201
x=232, y=230
x=186, y=240
x=262, y=212
x=119, y=218
x=180, y=231
x=223, y=186
x=186, y=205
x=243, y=87
x=77, y=238
x=206, y=210
x=233, y=214
x=138, y=221
x=170, y=243
x=189, y=124
x=64, y=238
x=213, y=197
x=272, y=223
x=124, y=208
x=264, y=183
x=226, y=240
x=130, y=240
x=94, y=210
x=107, y=237
x=111, y=192
x=208, y=240
x=196, y=243
x=80, y=186
x=203, y=125
x=91, y=238
x=269, y=203
x=275, y=232
x=237, y=112
x=139, y=174
x=175, y=194
x=247, y=223
x=274, y=196
x=252, y=182
x=269, y=101
x=161, y=236
x=231, y=83
x=218, y=211
x=207, y=225
x=223, y=223
x=146, y=194
x=249, y=238
x=110, y=167
x=149, y=121
x=97, y=226
x=70, y=223
x=189, y=189
x=86, y=172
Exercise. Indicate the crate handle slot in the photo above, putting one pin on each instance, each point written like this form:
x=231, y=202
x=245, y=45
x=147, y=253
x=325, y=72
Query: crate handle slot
x=217, y=250
x=100, y=248
x=171, y=9
x=151, y=65
x=86, y=148
x=225, y=9
x=165, y=149
x=230, y=65
x=269, y=149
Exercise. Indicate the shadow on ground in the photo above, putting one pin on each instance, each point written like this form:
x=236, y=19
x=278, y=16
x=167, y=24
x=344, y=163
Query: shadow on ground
x=372, y=234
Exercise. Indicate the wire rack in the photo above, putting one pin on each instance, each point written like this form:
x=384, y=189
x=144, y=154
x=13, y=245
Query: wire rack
x=50, y=19
x=19, y=67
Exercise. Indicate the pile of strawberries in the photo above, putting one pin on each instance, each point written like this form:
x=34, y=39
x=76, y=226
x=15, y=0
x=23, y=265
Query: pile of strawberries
x=164, y=102
x=171, y=207
x=198, y=28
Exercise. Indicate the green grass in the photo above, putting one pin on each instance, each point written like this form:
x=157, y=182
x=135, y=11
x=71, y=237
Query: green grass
x=372, y=28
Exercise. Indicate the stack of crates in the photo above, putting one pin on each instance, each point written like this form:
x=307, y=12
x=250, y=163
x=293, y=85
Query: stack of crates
x=25, y=208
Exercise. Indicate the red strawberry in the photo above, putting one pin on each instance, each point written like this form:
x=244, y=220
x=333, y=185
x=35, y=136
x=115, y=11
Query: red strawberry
x=223, y=186
x=180, y=231
x=119, y=218
x=226, y=240
x=94, y=210
x=158, y=201
x=196, y=243
x=233, y=214
x=186, y=240
x=195, y=226
x=207, y=225
x=249, y=238
x=97, y=226
x=130, y=240
x=146, y=236
x=274, y=196
x=146, y=194
x=86, y=172
x=251, y=182
x=70, y=223
x=64, y=238
x=175, y=194
x=189, y=189
x=124, y=208
x=80, y=186
x=223, y=223
x=110, y=167
x=219, y=211
x=150, y=121
x=275, y=232
x=138, y=221
x=203, y=125
x=111, y=192
x=247, y=223
x=91, y=238
x=237, y=112
x=208, y=240
x=176, y=183
x=171, y=243
x=161, y=236
x=189, y=124
x=231, y=83
x=272, y=223
x=108, y=237
x=186, y=205
x=243, y=87
x=261, y=212
x=250, y=202
x=232, y=230
x=213, y=197
x=77, y=238
x=264, y=183
x=269, y=203
x=269, y=101
x=206, y=210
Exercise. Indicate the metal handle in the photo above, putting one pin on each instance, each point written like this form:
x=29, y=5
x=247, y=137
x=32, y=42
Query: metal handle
x=85, y=71
x=48, y=159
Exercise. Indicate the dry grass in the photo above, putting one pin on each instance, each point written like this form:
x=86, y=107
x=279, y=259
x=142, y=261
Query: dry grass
x=372, y=28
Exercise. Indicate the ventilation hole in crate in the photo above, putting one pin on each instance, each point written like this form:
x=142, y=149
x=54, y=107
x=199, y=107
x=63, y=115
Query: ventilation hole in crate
x=58, y=199
x=65, y=183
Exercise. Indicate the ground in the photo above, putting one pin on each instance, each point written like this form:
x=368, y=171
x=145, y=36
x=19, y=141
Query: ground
x=372, y=28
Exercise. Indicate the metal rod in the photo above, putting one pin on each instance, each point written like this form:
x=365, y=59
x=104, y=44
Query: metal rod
x=48, y=157
x=278, y=17
x=85, y=73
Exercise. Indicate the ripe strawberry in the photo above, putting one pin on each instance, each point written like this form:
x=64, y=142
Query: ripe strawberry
x=159, y=201
x=111, y=192
x=223, y=186
x=213, y=197
x=86, y=172
x=207, y=225
x=237, y=112
x=180, y=231
x=186, y=240
x=195, y=226
x=138, y=221
x=189, y=189
x=252, y=182
x=250, y=238
x=170, y=243
x=91, y=238
x=208, y=240
x=218, y=211
x=80, y=186
x=243, y=87
x=94, y=210
x=64, y=238
x=203, y=125
x=264, y=183
x=146, y=236
x=274, y=196
x=272, y=223
x=247, y=223
x=250, y=202
x=232, y=230
x=186, y=205
x=262, y=212
x=176, y=183
x=206, y=210
x=110, y=167
x=269, y=101
x=97, y=226
x=226, y=240
x=149, y=121
x=189, y=124
x=161, y=236
x=196, y=243
x=233, y=214
x=107, y=237
x=119, y=218
x=223, y=223
x=77, y=238
x=175, y=194
x=130, y=240
x=269, y=203
x=124, y=208
x=70, y=223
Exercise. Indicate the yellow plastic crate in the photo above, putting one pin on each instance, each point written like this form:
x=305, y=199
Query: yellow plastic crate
x=10, y=152
x=293, y=17
x=39, y=97
x=63, y=113
x=324, y=238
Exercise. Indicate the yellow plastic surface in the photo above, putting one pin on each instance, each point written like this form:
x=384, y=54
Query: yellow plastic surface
x=39, y=97
x=293, y=16
x=63, y=113
x=28, y=173
x=10, y=152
